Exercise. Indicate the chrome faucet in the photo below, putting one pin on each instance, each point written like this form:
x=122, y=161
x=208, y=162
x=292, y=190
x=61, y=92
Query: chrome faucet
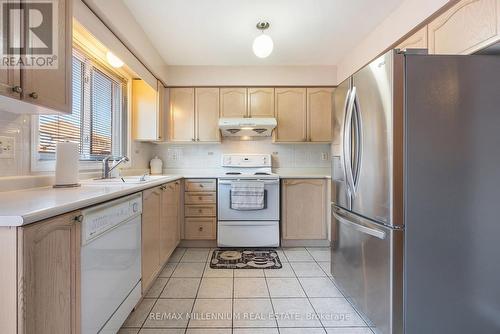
x=106, y=170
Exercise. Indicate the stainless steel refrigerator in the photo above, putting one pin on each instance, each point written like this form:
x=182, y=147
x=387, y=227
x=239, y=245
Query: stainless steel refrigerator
x=415, y=191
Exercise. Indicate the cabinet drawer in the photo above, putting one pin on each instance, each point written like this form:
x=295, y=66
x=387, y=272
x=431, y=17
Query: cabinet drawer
x=199, y=198
x=199, y=228
x=200, y=210
x=200, y=185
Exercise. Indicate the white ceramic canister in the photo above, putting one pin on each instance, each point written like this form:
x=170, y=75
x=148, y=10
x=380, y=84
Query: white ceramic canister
x=156, y=165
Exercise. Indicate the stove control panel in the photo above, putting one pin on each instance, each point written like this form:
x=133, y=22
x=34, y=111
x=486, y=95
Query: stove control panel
x=246, y=160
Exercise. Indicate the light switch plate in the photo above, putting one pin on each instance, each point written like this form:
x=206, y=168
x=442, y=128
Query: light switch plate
x=7, y=147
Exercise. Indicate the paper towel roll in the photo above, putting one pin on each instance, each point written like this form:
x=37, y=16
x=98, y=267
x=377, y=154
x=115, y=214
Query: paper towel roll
x=67, y=163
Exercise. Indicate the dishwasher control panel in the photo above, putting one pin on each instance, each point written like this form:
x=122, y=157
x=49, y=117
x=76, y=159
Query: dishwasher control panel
x=101, y=218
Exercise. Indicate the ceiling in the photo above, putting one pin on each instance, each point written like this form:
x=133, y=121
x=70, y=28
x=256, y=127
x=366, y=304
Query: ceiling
x=221, y=32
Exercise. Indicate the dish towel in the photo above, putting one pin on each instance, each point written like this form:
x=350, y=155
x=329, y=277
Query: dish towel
x=247, y=195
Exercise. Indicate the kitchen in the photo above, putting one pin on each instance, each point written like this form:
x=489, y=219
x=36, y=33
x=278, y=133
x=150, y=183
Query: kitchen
x=198, y=169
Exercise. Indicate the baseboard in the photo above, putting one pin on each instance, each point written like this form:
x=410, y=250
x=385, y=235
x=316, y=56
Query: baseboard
x=305, y=243
x=198, y=243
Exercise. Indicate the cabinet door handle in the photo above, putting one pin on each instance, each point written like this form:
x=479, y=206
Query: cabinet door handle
x=200, y=228
x=17, y=89
x=34, y=95
x=79, y=218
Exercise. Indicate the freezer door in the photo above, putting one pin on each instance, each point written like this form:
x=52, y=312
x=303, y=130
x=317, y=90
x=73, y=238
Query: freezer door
x=340, y=194
x=367, y=264
x=453, y=183
x=372, y=161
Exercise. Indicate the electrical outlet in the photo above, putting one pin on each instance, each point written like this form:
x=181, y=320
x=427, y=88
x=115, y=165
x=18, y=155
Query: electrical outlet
x=7, y=147
x=324, y=156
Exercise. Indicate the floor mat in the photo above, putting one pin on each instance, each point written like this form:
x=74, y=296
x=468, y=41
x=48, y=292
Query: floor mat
x=244, y=258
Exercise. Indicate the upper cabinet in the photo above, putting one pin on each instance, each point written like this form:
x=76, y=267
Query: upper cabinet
x=319, y=114
x=207, y=114
x=291, y=115
x=416, y=41
x=194, y=115
x=261, y=102
x=148, y=105
x=468, y=26
x=181, y=120
x=45, y=89
x=233, y=102
x=303, y=115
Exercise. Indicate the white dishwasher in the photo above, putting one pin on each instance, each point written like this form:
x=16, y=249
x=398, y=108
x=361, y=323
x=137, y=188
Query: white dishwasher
x=110, y=263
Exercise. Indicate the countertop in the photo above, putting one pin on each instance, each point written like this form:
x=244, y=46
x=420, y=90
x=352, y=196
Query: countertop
x=27, y=206
x=21, y=207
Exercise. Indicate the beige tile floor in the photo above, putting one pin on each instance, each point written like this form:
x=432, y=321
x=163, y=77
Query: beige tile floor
x=189, y=297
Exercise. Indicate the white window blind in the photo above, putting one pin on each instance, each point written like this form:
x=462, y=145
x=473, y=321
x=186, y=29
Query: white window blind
x=97, y=121
x=52, y=129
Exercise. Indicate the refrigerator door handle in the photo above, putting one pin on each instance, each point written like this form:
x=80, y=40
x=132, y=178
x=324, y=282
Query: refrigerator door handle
x=359, y=142
x=358, y=224
x=348, y=141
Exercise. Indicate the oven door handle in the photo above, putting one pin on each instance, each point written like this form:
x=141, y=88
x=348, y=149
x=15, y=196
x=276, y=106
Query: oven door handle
x=265, y=182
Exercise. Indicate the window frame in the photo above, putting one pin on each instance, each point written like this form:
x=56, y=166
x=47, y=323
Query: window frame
x=92, y=164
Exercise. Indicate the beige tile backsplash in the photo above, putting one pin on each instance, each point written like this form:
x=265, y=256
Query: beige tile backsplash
x=187, y=156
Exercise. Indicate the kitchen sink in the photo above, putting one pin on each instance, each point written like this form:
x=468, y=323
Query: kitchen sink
x=118, y=181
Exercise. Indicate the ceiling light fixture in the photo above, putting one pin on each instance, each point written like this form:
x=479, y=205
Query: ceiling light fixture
x=113, y=60
x=263, y=44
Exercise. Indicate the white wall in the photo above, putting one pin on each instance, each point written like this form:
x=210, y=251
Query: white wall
x=127, y=29
x=251, y=75
x=401, y=21
x=191, y=157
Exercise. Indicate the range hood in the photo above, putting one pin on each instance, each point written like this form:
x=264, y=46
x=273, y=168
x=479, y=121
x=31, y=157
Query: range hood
x=247, y=127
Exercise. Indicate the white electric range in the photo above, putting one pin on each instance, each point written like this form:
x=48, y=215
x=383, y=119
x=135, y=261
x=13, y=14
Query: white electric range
x=248, y=228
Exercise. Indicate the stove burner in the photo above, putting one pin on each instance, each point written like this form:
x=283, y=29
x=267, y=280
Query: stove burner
x=261, y=173
x=233, y=173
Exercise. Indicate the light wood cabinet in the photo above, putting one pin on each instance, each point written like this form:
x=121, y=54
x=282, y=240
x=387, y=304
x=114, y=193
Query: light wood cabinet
x=304, y=209
x=181, y=125
x=200, y=228
x=319, y=114
x=233, y=102
x=49, y=276
x=261, y=102
x=52, y=88
x=160, y=228
x=194, y=115
x=200, y=203
x=45, y=89
x=200, y=185
x=290, y=107
x=208, y=210
x=207, y=114
x=10, y=82
x=468, y=26
x=147, y=105
x=151, y=216
x=169, y=222
x=416, y=41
